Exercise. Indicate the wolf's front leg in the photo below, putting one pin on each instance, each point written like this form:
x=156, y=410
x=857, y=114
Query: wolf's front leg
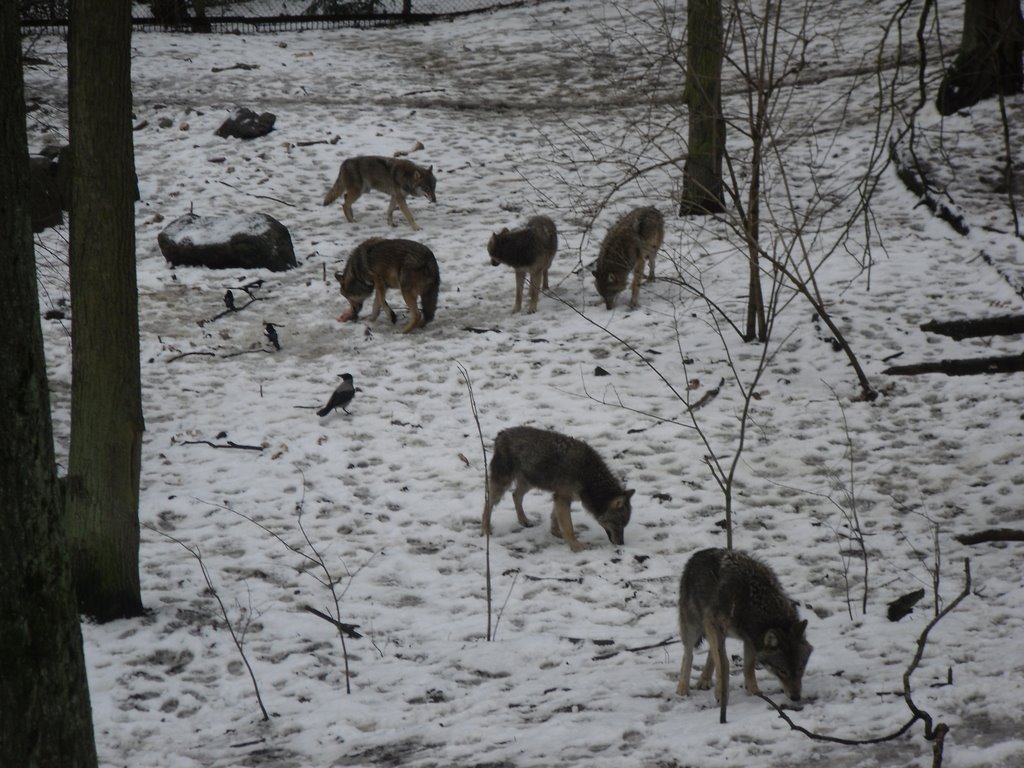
x=715, y=635
x=380, y=302
x=399, y=201
x=520, y=278
x=749, y=678
x=634, y=295
x=683, y=686
x=561, y=523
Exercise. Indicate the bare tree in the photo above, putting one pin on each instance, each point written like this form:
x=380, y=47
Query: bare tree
x=702, y=170
x=106, y=400
x=45, y=714
x=990, y=59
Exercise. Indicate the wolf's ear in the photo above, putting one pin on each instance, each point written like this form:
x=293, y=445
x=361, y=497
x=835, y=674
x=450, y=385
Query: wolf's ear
x=771, y=639
x=339, y=276
x=430, y=169
x=593, y=272
x=801, y=627
x=629, y=493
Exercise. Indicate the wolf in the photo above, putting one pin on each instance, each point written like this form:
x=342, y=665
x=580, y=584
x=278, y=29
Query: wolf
x=728, y=592
x=378, y=264
x=634, y=239
x=393, y=176
x=529, y=250
x=569, y=468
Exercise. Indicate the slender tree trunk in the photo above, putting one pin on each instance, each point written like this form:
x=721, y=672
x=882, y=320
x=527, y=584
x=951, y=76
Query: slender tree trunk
x=45, y=716
x=990, y=57
x=106, y=405
x=702, y=172
x=757, y=324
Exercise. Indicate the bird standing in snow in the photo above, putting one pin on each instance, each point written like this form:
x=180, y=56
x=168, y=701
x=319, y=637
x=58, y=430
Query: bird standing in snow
x=229, y=300
x=271, y=333
x=341, y=396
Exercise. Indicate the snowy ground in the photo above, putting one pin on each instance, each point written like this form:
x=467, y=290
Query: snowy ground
x=391, y=495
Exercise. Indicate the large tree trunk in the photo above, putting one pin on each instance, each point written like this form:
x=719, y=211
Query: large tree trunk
x=106, y=405
x=989, y=61
x=702, y=172
x=45, y=717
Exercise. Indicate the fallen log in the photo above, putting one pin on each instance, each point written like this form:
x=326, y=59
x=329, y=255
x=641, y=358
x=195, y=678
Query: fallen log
x=914, y=180
x=969, y=367
x=1001, y=325
x=992, y=534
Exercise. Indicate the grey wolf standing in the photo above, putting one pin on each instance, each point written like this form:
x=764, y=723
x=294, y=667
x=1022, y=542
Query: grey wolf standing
x=376, y=265
x=340, y=397
x=529, y=250
x=634, y=239
x=569, y=468
x=392, y=176
x=726, y=592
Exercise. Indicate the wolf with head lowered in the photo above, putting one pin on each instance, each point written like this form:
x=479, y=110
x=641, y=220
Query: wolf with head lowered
x=392, y=176
x=728, y=592
x=527, y=457
x=632, y=240
x=529, y=250
x=378, y=264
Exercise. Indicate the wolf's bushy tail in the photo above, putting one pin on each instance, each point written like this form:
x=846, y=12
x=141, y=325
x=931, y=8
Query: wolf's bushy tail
x=334, y=192
x=430, y=297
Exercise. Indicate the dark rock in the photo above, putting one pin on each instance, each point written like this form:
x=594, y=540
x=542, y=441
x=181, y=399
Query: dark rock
x=246, y=124
x=903, y=605
x=242, y=241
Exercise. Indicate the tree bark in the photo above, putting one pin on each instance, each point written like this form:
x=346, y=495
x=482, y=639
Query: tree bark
x=106, y=403
x=45, y=715
x=989, y=61
x=702, y=171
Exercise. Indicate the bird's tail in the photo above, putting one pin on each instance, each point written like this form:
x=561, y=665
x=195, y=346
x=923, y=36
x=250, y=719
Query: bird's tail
x=323, y=411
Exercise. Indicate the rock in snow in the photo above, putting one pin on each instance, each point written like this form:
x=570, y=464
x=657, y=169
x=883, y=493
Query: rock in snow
x=246, y=241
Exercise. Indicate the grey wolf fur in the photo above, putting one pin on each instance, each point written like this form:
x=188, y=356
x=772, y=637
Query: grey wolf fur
x=378, y=264
x=569, y=468
x=727, y=592
x=340, y=397
x=634, y=239
x=392, y=176
x=529, y=250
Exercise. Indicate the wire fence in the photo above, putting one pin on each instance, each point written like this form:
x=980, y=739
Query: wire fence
x=231, y=15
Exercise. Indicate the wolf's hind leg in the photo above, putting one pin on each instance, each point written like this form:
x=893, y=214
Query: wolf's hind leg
x=495, y=491
x=346, y=204
x=517, y=497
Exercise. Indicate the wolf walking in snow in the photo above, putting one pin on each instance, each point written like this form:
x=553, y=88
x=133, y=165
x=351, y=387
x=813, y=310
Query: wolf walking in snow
x=529, y=250
x=568, y=468
x=728, y=592
x=376, y=265
x=632, y=240
x=392, y=176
